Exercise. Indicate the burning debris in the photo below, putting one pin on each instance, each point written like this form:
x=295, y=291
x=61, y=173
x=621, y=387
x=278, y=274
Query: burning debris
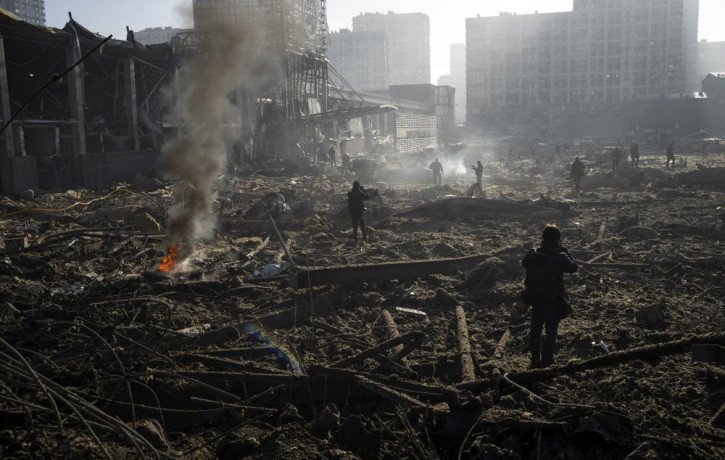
x=170, y=260
x=197, y=156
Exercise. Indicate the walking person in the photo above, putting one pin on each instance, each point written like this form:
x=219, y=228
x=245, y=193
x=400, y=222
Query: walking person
x=478, y=168
x=356, y=207
x=634, y=155
x=577, y=173
x=670, y=156
x=545, y=268
x=437, y=169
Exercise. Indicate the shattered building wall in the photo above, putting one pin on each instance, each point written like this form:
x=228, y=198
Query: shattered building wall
x=96, y=125
x=599, y=53
x=290, y=35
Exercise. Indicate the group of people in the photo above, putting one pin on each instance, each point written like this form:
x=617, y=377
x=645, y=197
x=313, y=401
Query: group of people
x=618, y=155
x=578, y=169
x=437, y=168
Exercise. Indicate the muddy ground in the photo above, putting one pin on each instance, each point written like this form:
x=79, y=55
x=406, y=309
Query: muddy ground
x=104, y=356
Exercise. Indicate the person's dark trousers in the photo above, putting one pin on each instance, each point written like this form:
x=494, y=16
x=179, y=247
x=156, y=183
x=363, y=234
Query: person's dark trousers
x=437, y=179
x=359, y=222
x=543, y=315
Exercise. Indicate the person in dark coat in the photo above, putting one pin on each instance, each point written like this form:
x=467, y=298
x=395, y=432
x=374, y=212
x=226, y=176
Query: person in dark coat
x=617, y=155
x=634, y=155
x=331, y=155
x=670, y=157
x=356, y=206
x=479, y=172
x=544, y=311
x=437, y=169
x=577, y=173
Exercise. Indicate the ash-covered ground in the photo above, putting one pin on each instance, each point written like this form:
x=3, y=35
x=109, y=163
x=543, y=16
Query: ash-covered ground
x=234, y=355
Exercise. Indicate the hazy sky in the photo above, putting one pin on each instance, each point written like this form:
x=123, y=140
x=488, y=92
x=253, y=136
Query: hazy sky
x=447, y=16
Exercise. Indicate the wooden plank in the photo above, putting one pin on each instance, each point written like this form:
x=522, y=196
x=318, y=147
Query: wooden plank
x=374, y=351
x=464, y=347
x=612, y=359
x=502, y=344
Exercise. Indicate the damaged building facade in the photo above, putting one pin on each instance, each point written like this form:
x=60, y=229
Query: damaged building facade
x=95, y=124
x=587, y=61
x=107, y=119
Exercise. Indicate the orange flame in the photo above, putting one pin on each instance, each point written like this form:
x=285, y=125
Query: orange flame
x=168, y=262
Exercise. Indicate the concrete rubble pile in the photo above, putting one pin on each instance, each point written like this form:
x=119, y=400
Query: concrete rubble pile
x=281, y=337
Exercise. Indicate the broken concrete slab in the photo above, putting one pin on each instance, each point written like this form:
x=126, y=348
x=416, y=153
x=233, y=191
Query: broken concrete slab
x=452, y=208
x=712, y=177
x=651, y=317
x=639, y=233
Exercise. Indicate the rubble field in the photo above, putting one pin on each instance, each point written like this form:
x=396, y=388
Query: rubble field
x=414, y=345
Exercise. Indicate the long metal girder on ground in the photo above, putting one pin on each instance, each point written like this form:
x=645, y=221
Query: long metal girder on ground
x=354, y=274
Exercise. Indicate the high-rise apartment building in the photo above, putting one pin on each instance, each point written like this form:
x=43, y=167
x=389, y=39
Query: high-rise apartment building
x=32, y=11
x=458, y=79
x=278, y=24
x=360, y=58
x=602, y=51
x=155, y=35
x=710, y=58
x=408, y=37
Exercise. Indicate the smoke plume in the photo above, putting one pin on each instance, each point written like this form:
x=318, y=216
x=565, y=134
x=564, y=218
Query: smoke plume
x=204, y=111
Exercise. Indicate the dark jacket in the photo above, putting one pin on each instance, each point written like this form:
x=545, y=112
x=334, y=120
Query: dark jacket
x=356, y=202
x=565, y=263
x=577, y=169
x=479, y=171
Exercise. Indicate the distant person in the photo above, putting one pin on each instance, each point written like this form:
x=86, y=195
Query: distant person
x=331, y=154
x=670, y=156
x=437, y=169
x=346, y=162
x=545, y=268
x=577, y=173
x=356, y=207
x=617, y=154
x=478, y=167
x=634, y=155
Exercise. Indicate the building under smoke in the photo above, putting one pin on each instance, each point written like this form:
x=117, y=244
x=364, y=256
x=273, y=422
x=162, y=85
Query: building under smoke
x=599, y=53
x=157, y=35
x=458, y=79
x=361, y=58
x=289, y=83
x=32, y=11
x=710, y=58
x=408, y=37
x=276, y=24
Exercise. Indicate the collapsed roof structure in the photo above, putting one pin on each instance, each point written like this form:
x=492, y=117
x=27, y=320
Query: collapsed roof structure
x=108, y=117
